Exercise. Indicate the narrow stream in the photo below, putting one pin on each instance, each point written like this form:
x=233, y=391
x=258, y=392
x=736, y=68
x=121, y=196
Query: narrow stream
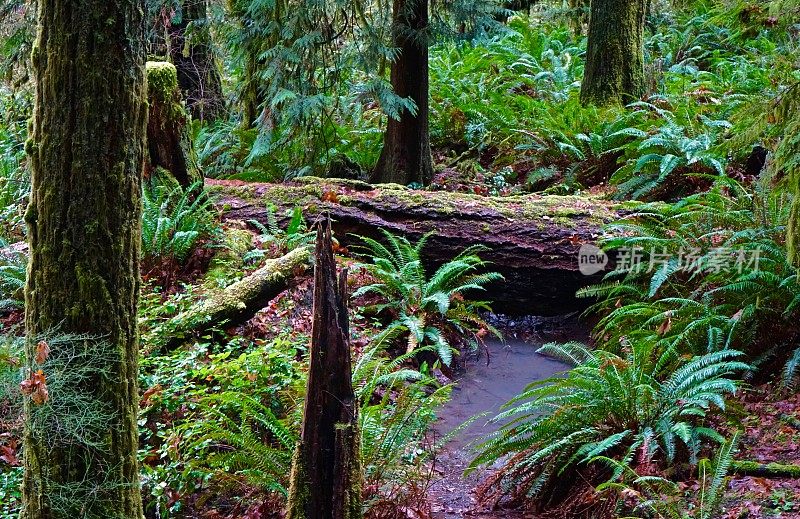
x=483, y=389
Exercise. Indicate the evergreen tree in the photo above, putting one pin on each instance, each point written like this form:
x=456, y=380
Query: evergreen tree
x=615, y=57
x=86, y=154
x=406, y=155
x=192, y=53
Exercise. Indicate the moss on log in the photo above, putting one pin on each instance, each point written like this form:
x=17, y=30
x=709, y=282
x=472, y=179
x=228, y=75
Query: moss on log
x=241, y=300
x=532, y=240
x=765, y=470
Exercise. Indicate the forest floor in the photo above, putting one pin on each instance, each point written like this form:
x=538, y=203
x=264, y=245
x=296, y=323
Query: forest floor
x=480, y=389
x=771, y=434
x=479, y=392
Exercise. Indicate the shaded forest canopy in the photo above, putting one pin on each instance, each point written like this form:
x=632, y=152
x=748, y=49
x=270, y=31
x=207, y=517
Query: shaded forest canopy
x=592, y=205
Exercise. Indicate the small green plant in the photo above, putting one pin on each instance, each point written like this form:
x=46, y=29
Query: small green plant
x=644, y=408
x=10, y=492
x=14, y=189
x=658, y=496
x=397, y=407
x=174, y=221
x=672, y=150
x=427, y=310
x=295, y=235
x=13, y=272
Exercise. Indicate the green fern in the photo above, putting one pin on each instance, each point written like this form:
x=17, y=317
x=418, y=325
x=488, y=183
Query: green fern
x=174, y=221
x=13, y=273
x=426, y=310
x=643, y=407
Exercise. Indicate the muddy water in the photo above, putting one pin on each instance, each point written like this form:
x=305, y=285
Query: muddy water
x=483, y=389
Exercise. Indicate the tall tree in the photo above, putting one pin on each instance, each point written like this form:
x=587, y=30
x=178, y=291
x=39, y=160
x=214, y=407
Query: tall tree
x=86, y=153
x=406, y=155
x=192, y=53
x=615, y=57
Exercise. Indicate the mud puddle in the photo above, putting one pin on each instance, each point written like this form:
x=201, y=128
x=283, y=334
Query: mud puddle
x=481, y=390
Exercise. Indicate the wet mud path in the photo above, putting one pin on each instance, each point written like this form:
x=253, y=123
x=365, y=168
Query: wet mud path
x=481, y=390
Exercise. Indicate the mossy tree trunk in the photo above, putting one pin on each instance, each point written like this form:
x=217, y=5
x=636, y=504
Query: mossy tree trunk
x=192, y=53
x=615, y=57
x=326, y=470
x=406, y=156
x=169, y=142
x=86, y=153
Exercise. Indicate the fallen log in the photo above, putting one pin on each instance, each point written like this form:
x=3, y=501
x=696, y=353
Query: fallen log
x=532, y=240
x=765, y=470
x=241, y=300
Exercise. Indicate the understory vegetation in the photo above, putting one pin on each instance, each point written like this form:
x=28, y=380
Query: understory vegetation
x=689, y=377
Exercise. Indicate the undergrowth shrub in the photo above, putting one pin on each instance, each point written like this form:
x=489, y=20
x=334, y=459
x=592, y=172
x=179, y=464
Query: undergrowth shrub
x=11, y=353
x=14, y=189
x=226, y=422
x=174, y=222
x=720, y=277
x=13, y=273
x=296, y=233
x=426, y=309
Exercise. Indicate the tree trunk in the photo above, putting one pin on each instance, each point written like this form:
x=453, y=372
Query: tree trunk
x=614, y=57
x=579, y=15
x=86, y=153
x=192, y=53
x=169, y=143
x=406, y=155
x=326, y=471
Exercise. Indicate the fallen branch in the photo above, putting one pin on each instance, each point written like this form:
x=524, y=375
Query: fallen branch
x=765, y=470
x=241, y=300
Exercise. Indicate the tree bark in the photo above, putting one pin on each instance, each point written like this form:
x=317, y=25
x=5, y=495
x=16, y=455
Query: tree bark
x=532, y=240
x=406, y=156
x=86, y=153
x=326, y=470
x=193, y=55
x=615, y=58
x=169, y=143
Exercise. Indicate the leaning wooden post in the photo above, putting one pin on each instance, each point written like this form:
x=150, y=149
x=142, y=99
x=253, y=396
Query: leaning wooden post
x=326, y=470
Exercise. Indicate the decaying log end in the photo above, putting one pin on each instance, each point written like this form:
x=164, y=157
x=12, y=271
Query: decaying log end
x=326, y=470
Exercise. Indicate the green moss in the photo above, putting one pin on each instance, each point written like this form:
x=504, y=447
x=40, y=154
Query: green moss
x=228, y=261
x=308, y=192
x=162, y=80
x=753, y=468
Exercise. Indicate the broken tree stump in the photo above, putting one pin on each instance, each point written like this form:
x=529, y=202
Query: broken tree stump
x=169, y=143
x=326, y=475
